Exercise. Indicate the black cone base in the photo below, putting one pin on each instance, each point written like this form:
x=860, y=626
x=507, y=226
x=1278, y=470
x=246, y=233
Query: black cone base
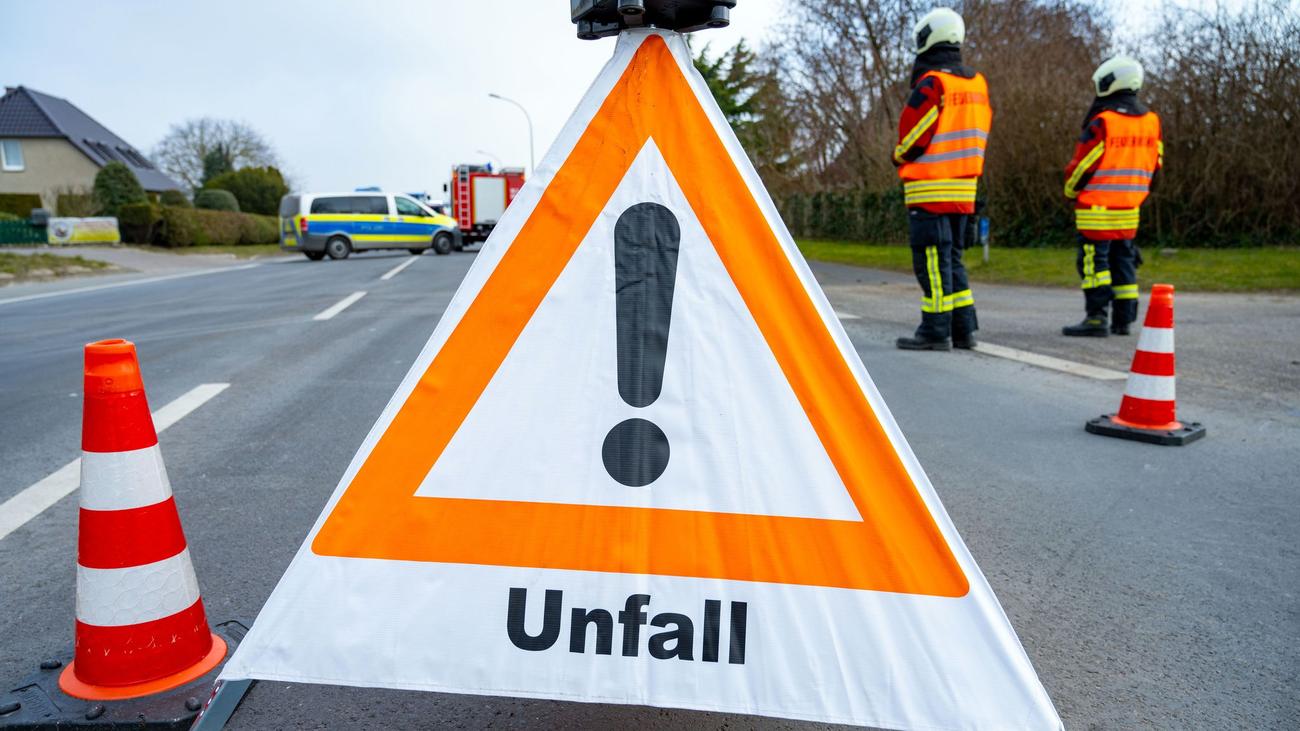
x=1106, y=426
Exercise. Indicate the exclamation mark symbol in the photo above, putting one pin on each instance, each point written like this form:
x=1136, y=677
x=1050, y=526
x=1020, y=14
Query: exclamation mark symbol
x=646, y=239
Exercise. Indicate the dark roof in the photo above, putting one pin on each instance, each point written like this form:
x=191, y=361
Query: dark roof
x=29, y=113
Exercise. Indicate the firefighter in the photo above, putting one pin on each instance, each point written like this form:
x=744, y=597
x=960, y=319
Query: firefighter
x=942, y=134
x=1114, y=165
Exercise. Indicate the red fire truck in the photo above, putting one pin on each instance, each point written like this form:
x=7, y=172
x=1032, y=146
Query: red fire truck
x=478, y=195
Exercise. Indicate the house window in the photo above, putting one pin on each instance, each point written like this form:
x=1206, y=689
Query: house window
x=11, y=156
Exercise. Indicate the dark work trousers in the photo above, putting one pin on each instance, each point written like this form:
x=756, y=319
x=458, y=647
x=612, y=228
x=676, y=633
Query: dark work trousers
x=947, y=306
x=1109, y=273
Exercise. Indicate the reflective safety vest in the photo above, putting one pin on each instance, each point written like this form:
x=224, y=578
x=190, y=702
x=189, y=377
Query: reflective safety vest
x=953, y=161
x=1129, y=154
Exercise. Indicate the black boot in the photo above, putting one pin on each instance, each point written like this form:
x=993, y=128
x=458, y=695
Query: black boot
x=965, y=342
x=1091, y=327
x=915, y=343
x=1119, y=328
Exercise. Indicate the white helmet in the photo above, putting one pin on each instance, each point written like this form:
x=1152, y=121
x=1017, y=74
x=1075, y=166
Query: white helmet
x=1119, y=73
x=941, y=25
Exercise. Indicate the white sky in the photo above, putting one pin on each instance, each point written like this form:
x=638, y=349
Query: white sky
x=389, y=93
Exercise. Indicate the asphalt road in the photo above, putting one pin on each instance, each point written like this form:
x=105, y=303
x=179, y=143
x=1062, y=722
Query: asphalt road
x=1152, y=587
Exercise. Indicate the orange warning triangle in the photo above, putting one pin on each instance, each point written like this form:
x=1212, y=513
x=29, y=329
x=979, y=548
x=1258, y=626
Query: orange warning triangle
x=896, y=547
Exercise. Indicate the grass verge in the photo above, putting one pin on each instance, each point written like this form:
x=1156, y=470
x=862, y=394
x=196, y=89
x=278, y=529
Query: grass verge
x=243, y=251
x=35, y=266
x=1271, y=269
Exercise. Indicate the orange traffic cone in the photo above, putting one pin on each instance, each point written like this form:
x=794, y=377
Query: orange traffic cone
x=1147, y=411
x=141, y=628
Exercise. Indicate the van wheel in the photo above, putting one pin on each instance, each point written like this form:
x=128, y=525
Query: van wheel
x=314, y=255
x=338, y=248
x=415, y=252
x=442, y=244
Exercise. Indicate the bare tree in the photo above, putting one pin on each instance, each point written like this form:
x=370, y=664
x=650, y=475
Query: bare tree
x=182, y=151
x=1226, y=83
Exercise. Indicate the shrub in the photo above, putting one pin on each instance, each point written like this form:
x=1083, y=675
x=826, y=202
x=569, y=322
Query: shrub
x=258, y=190
x=216, y=200
x=138, y=222
x=19, y=204
x=200, y=227
x=116, y=186
x=174, y=198
x=7, y=216
x=76, y=205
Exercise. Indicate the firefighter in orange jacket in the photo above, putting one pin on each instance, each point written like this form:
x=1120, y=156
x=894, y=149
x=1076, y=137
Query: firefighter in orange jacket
x=1114, y=165
x=942, y=134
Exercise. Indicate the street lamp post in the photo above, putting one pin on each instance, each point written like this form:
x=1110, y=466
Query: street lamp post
x=531, y=158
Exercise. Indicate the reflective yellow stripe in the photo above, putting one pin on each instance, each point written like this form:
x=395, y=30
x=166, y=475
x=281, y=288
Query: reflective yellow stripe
x=1089, y=266
x=946, y=190
x=1072, y=185
x=396, y=238
x=1126, y=291
x=935, y=302
x=1104, y=219
x=910, y=139
x=960, y=299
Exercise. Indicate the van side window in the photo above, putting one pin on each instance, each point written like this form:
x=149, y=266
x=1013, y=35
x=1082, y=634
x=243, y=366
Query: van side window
x=408, y=207
x=331, y=205
x=375, y=204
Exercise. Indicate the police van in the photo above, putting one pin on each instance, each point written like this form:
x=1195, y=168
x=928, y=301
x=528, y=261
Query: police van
x=337, y=224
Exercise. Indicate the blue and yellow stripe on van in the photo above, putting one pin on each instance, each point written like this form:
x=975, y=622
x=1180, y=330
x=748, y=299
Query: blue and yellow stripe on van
x=367, y=228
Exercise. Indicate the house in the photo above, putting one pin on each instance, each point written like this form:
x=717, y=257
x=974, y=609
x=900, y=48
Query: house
x=48, y=146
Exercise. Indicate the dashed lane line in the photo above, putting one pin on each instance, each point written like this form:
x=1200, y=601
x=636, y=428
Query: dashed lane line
x=334, y=309
x=397, y=269
x=129, y=283
x=846, y=316
x=35, y=499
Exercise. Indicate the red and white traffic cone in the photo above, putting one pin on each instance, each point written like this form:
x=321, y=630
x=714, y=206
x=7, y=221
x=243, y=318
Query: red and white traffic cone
x=1147, y=412
x=141, y=628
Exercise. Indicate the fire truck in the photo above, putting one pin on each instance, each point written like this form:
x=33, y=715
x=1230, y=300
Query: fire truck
x=477, y=196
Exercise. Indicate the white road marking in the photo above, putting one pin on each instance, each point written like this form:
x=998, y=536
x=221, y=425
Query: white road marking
x=115, y=285
x=339, y=306
x=1047, y=361
x=35, y=499
x=397, y=269
x=846, y=316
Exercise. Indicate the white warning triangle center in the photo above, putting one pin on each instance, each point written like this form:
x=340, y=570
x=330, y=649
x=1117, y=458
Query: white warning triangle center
x=739, y=436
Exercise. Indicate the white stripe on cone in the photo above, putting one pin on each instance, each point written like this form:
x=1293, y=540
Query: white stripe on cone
x=117, y=597
x=1156, y=340
x=123, y=480
x=1151, y=388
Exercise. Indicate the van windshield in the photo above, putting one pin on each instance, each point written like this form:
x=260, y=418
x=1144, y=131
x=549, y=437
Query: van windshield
x=289, y=206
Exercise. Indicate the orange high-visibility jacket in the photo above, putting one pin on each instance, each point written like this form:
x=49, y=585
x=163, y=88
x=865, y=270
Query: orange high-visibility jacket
x=949, y=169
x=1121, y=167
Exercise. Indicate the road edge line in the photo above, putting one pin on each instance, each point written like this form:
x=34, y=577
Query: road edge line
x=1049, y=362
x=115, y=285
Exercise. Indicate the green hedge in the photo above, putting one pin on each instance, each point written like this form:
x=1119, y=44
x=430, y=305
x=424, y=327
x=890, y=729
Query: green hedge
x=858, y=215
x=19, y=204
x=216, y=200
x=76, y=205
x=139, y=223
x=174, y=198
x=198, y=227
